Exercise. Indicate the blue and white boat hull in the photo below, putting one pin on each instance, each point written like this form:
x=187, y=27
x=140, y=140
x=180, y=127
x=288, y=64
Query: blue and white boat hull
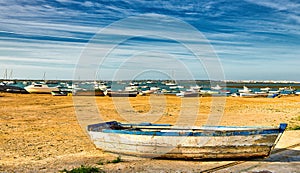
x=182, y=143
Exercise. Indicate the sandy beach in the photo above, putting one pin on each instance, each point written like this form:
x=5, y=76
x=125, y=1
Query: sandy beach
x=41, y=133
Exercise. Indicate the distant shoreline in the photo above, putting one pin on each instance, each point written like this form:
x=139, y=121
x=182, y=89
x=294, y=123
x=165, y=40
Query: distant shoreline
x=205, y=83
x=157, y=80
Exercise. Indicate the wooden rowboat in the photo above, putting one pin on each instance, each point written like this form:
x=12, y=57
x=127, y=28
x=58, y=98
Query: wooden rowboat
x=166, y=141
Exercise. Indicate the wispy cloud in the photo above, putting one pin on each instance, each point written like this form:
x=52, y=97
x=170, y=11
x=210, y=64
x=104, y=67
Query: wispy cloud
x=278, y=5
x=55, y=33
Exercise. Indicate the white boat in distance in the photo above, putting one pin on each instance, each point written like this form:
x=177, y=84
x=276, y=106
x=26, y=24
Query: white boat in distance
x=245, y=90
x=167, y=141
x=40, y=88
x=267, y=89
x=217, y=87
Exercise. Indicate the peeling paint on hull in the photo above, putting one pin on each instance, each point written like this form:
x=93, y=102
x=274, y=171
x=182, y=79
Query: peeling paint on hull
x=193, y=145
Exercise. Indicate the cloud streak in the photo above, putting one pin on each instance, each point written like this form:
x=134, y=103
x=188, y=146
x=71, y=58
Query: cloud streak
x=243, y=33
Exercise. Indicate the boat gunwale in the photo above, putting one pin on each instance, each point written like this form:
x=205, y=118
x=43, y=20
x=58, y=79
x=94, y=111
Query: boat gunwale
x=191, y=133
x=168, y=130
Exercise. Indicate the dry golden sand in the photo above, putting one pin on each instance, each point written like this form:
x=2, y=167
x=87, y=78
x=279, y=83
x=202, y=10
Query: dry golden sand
x=40, y=133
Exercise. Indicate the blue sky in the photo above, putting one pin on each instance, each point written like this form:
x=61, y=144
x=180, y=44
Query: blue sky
x=252, y=40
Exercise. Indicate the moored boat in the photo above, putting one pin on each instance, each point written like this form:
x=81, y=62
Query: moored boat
x=59, y=93
x=245, y=90
x=122, y=93
x=217, y=87
x=167, y=141
x=12, y=89
x=266, y=89
x=248, y=95
x=188, y=94
x=85, y=92
x=40, y=89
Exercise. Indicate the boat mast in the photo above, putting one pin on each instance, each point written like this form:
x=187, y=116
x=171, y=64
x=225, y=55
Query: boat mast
x=11, y=75
x=5, y=75
x=173, y=77
x=44, y=77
